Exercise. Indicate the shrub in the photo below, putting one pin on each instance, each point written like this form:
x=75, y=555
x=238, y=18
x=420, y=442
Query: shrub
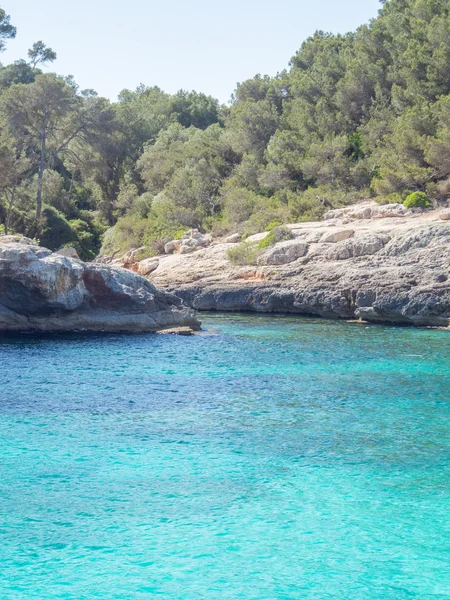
x=394, y=198
x=441, y=189
x=278, y=234
x=157, y=245
x=266, y=212
x=239, y=205
x=273, y=224
x=56, y=231
x=417, y=200
x=245, y=253
x=128, y=233
x=88, y=237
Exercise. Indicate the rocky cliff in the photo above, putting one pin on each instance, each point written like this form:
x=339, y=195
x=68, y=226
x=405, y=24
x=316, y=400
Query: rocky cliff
x=379, y=264
x=45, y=291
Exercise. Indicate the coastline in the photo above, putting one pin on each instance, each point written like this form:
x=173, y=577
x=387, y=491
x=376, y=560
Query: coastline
x=367, y=263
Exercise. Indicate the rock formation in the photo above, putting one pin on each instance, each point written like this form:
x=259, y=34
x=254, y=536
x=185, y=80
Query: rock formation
x=45, y=291
x=389, y=265
x=189, y=242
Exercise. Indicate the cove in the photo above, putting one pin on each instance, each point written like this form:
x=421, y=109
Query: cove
x=267, y=458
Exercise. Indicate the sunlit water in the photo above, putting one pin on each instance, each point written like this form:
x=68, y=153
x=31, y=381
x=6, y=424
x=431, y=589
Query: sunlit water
x=271, y=458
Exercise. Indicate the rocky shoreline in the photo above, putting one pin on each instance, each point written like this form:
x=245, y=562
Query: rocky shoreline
x=380, y=264
x=42, y=291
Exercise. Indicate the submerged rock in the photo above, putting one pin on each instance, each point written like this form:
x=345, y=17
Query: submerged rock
x=44, y=291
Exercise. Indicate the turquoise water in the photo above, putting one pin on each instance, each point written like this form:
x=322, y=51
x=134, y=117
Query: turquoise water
x=270, y=458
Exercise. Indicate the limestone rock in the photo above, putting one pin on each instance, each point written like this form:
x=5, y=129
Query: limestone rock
x=147, y=266
x=70, y=252
x=445, y=216
x=44, y=291
x=188, y=246
x=283, y=253
x=362, y=246
x=257, y=237
x=16, y=239
x=338, y=236
x=368, y=211
x=391, y=270
x=190, y=242
x=172, y=246
x=233, y=238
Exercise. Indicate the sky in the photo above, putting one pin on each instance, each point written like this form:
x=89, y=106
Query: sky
x=202, y=45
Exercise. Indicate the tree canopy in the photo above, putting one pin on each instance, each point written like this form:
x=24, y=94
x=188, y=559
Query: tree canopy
x=360, y=115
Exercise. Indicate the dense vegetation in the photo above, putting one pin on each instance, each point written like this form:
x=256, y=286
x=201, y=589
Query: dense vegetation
x=357, y=115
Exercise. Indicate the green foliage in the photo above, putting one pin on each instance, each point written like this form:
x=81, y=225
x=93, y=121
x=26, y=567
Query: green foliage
x=39, y=53
x=7, y=30
x=366, y=114
x=244, y=253
x=272, y=225
x=56, y=231
x=394, y=198
x=277, y=234
x=88, y=237
x=417, y=200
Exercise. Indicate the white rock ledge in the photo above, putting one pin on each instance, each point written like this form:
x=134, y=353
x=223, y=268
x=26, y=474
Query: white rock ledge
x=389, y=266
x=41, y=291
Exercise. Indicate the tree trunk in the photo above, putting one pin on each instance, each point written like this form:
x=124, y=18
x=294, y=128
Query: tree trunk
x=112, y=196
x=10, y=207
x=42, y=167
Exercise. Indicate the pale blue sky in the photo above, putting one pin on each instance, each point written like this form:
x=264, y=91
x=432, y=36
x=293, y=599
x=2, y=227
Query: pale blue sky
x=201, y=44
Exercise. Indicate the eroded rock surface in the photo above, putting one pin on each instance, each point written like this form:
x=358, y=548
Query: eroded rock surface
x=44, y=291
x=394, y=267
x=283, y=253
x=189, y=242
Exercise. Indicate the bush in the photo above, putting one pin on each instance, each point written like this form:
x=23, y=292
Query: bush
x=266, y=212
x=89, y=237
x=278, y=234
x=245, y=253
x=129, y=232
x=394, y=198
x=273, y=224
x=417, y=200
x=56, y=231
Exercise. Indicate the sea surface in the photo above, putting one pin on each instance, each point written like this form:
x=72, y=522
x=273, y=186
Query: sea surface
x=268, y=458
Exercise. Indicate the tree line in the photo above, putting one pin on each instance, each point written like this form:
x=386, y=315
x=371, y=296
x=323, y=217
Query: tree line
x=365, y=114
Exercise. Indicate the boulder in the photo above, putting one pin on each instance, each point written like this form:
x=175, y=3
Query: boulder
x=368, y=211
x=44, y=291
x=283, y=253
x=147, y=266
x=354, y=247
x=20, y=239
x=172, y=246
x=128, y=261
x=232, y=239
x=445, y=216
x=188, y=246
x=338, y=236
x=70, y=252
x=190, y=241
